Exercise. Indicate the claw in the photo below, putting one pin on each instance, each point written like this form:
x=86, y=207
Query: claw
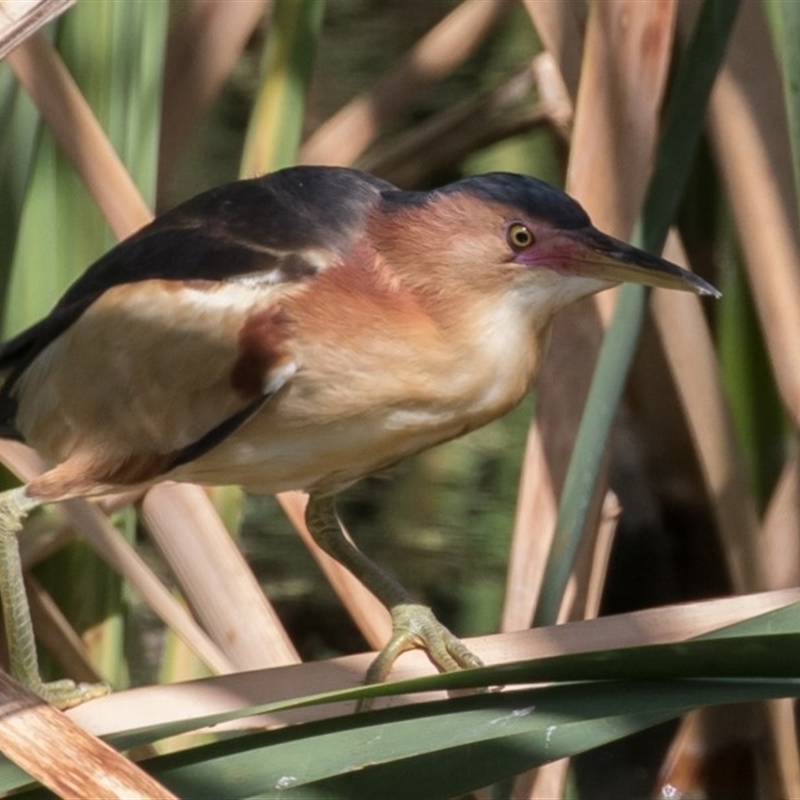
x=66, y=694
x=415, y=626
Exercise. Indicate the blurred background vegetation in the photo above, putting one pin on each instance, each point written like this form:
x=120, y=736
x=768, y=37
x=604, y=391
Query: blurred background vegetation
x=702, y=461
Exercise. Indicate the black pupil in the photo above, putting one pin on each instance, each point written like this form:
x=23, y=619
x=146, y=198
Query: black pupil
x=521, y=237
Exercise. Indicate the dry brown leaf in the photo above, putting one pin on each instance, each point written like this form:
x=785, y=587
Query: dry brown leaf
x=751, y=143
x=712, y=753
x=112, y=548
x=719, y=751
x=446, y=138
x=205, y=39
x=689, y=350
x=781, y=716
x=779, y=541
x=105, y=539
x=58, y=636
x=592, y=578
x=625, y=62
x=369, y=614
x=61, y=755
x=20, y=19
x=534, y=527
x=560, y=26
x=345, y=136
x=42, y=73
x=581, y=601
x=216, y=581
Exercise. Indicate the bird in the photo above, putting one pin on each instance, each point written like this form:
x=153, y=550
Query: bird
x=298, y=331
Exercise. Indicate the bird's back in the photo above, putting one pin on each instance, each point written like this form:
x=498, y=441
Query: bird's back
x=174, y=300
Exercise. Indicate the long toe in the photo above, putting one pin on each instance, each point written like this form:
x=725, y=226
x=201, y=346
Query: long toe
x=415, y=626
x=67, y=694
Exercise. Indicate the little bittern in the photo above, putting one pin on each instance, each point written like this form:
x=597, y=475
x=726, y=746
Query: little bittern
x=298, y=331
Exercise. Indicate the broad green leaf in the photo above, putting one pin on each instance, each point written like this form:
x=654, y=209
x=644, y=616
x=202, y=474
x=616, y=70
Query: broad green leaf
x=61, y=231
x=19, y=122
x=441, y=749
x=750, y=389
x=277, y=119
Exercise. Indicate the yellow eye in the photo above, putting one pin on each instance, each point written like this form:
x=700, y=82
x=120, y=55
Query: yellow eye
x=519, y=236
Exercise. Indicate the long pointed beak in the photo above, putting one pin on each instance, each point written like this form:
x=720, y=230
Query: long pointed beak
x=592, y=254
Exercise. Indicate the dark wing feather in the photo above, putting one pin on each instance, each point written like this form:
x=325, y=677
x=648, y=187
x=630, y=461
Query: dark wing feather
x=226, y=232
x=260, y=227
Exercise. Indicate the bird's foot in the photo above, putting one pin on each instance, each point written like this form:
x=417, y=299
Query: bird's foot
x=415, y=626
x=65, y=693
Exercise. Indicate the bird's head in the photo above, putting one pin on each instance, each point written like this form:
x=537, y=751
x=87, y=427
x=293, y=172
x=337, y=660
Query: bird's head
x=507, y=233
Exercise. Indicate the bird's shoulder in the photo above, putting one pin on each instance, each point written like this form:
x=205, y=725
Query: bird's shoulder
x=280, y=225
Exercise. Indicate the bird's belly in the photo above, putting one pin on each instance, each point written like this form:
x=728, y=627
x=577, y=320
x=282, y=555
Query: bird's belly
x=264, y=457
x=324, y=432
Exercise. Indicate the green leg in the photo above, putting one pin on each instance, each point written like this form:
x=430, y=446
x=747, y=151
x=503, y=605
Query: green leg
x=413, y=625
x=15, y=505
